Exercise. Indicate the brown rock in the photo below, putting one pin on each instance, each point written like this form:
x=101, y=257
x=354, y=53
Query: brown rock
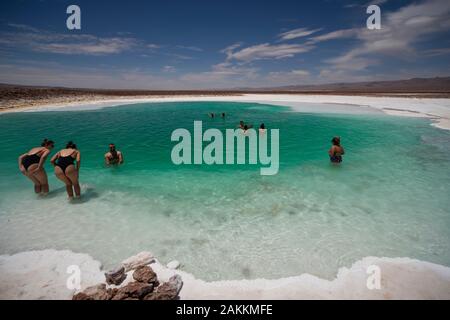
x=168, y=290
x=161, y=296
x=120, y=296
x=141, y=259
x=97, y=292
x=116, y=276
x=145, y=274
x=81, y=296
x=136, y=290
x=111, y=293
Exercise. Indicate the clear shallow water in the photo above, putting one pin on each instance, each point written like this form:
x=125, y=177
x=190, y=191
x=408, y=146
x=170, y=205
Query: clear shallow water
x=389, y=198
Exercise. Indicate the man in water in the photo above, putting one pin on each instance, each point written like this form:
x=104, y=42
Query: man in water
x=113, y=156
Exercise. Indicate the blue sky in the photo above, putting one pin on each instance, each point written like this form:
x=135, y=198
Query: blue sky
x=199, y=44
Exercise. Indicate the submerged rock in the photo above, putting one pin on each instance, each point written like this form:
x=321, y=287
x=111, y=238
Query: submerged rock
x=145, y=274
x=173, y=264
x=141, y=259
x=168, y=290
x=135, y=290
x=116, y=276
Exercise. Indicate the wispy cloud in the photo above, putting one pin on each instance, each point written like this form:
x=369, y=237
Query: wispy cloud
x=177, y=56
x=191, y=48
x=401, y=31
x=265, y=51
x=31, y=38
x=152, y=46
x=436, y=52
x=297, y=33
x=338, y=34
x=169, y=69
x=23, y=27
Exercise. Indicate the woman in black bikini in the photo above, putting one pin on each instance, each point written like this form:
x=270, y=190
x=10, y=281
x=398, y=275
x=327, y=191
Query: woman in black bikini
x=31, y=164
x=66, y=170
x=336, y=151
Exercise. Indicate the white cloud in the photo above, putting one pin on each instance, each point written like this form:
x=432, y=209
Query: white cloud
x=437, y=52
x=44, y=41
x=177, y=56
x=168, y=69
x=401, y=31
x=98, y=47
x=191, y=48
x=23, y=27
x=338, y=34
x=266, y=51
x=297, y=33
x=152, y=46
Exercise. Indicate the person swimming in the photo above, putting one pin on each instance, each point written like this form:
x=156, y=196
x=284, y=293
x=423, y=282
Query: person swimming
x=223, y=115
x=336, y=151
x=113, y=156
x=212, y=115
x=242, y=125
x=262, y=128
x=31, y=164
x=65, y=169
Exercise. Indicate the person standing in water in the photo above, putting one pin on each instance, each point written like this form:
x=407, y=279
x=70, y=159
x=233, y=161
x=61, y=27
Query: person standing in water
x=31, y=164
x=336, y=151
x=66, y=170
x=262, y=128
x=113, y=156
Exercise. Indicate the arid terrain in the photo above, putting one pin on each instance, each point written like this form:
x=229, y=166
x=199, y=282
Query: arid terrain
x=18, y=96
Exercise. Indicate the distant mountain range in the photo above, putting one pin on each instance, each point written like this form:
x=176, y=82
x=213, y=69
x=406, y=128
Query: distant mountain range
x=415, y=85
x=438, y=84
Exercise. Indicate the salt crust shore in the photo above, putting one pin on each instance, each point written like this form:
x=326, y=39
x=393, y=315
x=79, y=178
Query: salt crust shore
x=436, y=109
x=42, y=275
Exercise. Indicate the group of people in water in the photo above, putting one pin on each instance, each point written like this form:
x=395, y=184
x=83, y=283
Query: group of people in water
x=244, y=127
x=213, y=115
x=66, y=163
x=336, y=151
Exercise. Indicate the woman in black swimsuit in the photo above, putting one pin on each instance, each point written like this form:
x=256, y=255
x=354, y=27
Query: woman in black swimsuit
x=66, y=170
x=337, y=151
x=31, y=164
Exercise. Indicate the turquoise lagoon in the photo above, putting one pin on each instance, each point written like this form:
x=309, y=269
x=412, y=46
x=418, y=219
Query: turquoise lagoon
x=390, y=197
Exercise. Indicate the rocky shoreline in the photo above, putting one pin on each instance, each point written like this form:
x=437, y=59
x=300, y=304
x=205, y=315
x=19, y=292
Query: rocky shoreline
x=144, y=287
